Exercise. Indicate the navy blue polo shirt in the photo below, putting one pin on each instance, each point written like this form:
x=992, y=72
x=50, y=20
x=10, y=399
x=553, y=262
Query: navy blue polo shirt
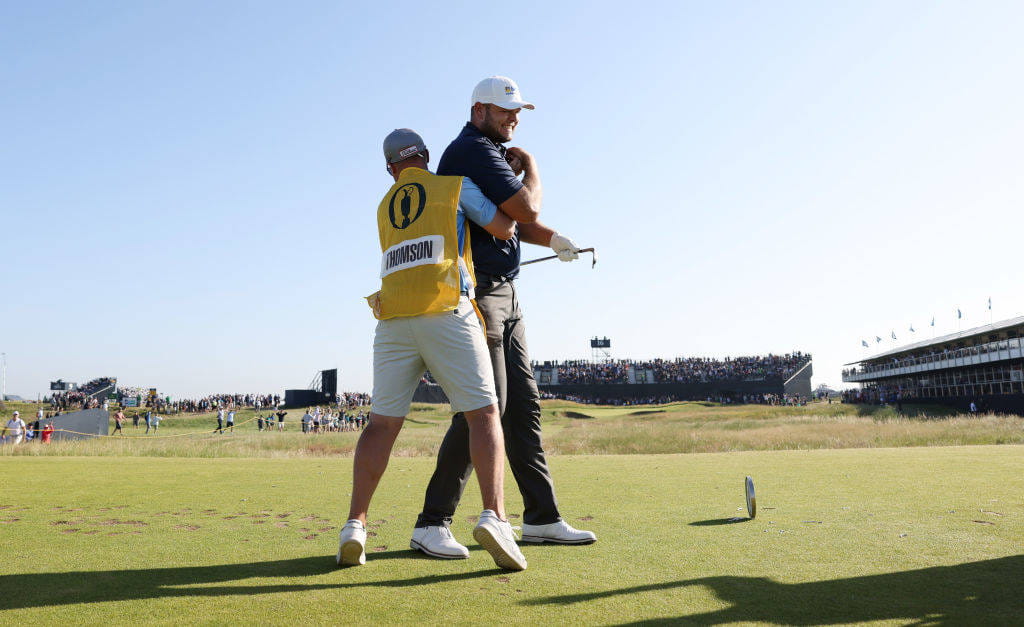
x=473, y=155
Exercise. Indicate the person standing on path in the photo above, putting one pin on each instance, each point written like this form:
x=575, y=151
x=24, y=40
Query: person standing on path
x=479, y=154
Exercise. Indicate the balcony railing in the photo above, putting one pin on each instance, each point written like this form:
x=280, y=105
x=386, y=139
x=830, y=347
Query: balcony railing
x=967, y=356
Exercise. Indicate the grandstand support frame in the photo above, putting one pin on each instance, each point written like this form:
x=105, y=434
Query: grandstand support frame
x=797, y=373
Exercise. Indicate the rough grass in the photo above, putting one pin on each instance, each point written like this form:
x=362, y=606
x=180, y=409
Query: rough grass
x=882, y=536
x=575, y=429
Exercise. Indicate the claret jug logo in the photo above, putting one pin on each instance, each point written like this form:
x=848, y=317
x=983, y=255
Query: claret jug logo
x=510, y=90
x=410, y=198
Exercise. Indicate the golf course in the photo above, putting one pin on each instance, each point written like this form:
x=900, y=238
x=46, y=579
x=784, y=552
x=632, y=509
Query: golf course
x=863, y=516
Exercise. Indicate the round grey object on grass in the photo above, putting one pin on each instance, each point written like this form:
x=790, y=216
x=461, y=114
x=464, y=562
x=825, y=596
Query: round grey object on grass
x=751, y=499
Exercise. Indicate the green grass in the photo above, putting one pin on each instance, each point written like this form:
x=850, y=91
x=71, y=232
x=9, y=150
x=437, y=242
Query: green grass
x=580, y=429
x=929, y=535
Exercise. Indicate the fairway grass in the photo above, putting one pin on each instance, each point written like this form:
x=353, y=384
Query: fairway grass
x=883, y=535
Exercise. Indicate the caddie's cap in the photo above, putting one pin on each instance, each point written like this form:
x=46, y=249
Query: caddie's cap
x=501, y=91
x=402, y=143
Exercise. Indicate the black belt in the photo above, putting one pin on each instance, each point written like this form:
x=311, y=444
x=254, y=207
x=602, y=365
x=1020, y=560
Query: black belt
x=486, y=277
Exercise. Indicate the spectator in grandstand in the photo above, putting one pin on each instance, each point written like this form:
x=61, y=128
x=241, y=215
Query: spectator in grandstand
x=682, y=370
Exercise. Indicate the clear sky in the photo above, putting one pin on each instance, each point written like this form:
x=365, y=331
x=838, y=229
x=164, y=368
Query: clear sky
x=188, y=189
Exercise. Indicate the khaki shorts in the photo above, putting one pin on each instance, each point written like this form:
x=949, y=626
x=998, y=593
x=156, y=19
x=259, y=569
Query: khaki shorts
x=451, y=345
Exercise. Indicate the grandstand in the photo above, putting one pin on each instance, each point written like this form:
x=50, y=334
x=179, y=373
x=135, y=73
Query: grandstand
x=322, y=389
x=983, y=365
x=742, y=379
x=758, y=379
x=68, y=394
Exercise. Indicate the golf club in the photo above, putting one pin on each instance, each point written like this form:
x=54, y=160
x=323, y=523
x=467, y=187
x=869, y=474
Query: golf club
x=582, y=250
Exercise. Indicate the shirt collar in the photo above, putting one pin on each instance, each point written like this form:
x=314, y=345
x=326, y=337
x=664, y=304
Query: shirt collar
x=471, y=131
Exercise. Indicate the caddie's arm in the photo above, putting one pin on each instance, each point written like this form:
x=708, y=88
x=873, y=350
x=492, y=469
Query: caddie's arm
x=485, y=213
x=502, y=226
x=542, y=235
x=524, y=205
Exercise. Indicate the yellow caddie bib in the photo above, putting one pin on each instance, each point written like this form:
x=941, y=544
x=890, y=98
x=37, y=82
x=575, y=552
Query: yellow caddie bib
x=419, y=268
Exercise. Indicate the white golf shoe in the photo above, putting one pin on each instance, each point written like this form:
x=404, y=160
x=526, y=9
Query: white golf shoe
x=352, y=544
x=497, y=538
x=438, y=541
x=559, y=532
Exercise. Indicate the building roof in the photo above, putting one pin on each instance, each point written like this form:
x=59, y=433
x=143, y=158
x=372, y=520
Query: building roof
x=944, y=339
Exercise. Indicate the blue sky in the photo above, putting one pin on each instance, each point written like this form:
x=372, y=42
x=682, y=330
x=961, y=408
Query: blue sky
x=188, y=189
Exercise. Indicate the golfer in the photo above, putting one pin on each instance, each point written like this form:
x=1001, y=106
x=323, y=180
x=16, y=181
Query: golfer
x=479, y=154
x=427, y=319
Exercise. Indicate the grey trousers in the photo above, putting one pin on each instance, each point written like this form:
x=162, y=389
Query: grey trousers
x=519, y=405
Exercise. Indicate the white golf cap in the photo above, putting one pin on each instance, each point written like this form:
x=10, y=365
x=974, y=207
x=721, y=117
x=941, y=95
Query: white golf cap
x=501, y=91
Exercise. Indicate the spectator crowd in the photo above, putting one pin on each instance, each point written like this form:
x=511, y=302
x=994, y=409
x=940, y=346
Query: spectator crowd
x=325, y=420
x=661, y=399
x=680, y=370
x=83, y=396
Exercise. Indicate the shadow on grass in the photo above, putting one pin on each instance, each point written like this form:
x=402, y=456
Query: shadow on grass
x=974, y=593
x=720, y=521
x=69, y=588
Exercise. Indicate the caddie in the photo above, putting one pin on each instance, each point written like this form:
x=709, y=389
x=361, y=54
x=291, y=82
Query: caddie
x=427, y=319
x=479, y=154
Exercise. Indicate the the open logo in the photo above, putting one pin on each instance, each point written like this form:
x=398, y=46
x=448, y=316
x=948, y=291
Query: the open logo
x=411, y=198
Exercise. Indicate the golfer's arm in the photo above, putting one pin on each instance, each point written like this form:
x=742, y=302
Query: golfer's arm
x=535, y=233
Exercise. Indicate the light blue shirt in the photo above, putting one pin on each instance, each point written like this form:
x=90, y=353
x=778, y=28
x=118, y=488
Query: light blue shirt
x=475, y=206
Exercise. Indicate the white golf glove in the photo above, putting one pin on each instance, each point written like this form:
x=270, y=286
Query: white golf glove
x=566, y=249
